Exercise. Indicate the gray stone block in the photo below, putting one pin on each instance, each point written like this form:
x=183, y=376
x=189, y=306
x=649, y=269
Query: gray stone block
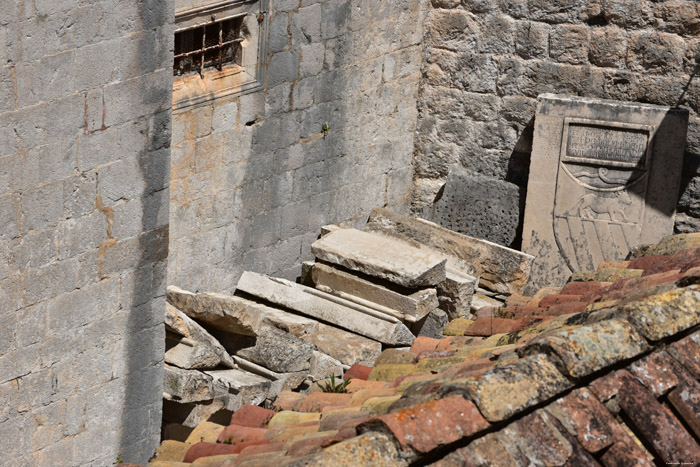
x=279, y=33
x=477, y=206
x=284, y=67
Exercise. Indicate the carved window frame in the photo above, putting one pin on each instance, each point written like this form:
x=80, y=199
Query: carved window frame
x=240, y=78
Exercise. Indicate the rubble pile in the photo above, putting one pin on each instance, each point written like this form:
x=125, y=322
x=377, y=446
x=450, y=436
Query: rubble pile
x=368, y=290
x=603, y=371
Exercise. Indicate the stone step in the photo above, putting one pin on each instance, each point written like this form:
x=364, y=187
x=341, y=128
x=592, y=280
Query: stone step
x=410, y=308
x=381, y=256
x=501, y=269
x=204, y=343
x=327, y=308
x=219, y=311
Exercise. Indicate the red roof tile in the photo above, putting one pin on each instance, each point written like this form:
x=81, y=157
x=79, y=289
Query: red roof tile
x=427, y=426
x=657, y=425
x=252, y=416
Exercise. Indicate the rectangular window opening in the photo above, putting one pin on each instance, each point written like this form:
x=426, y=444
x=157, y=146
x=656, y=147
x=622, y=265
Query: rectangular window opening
x=210, y=45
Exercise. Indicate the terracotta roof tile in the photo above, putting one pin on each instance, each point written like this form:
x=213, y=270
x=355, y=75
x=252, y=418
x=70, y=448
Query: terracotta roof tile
x=537, y=440
x=582, y=414
x=687, y=351
x=335, y=419
x=606, y=387
x=235, y=434
x=283, y=434
x=357, y=372
x=204, y=449
x=306, y=446
x=394, y=356
x=289, y=417
x=423, y=343
x=427, y=426
x=511, y=388
x=390, y=371
x=657, y=371
x=666, y=314
x=625, y=451
x=252, y=416
x=657, y=425
x=490, y=326
x=316, y=401
x=686, y=400
x=557, y=299
x=356, y=385
x=587, y=349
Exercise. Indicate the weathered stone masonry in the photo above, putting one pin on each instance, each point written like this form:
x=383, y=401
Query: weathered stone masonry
x=487, y=61
x=254, y=177
x=85, y=95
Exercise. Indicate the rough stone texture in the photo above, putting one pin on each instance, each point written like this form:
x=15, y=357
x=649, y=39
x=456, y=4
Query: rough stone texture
x=369, y=448
x=187, y=385
x=181, y=324
x=498, y=268
x=486, y=62
x=85, y=93
x=666, y=314
x=587, y=349
x=603, y=179
x=381, y=257
x=511, y=388
x=255, y=176
x=334, y=280
x=477, y=206
x=657, y=425
x=222, y=312
x=431, y=325
x=319, y=305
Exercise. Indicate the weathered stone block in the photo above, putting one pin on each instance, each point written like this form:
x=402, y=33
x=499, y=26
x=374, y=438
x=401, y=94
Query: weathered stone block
x=498, y=268
x=220, y=311
x=381, y=257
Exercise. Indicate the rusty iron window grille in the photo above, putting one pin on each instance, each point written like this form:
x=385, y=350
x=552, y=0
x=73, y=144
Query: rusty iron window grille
x=209, y=45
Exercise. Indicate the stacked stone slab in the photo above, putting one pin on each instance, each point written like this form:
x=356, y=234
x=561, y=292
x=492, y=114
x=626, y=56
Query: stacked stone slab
x=368, y=290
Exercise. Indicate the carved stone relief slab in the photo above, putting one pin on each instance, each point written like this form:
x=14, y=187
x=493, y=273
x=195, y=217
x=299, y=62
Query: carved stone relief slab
x=604, y=177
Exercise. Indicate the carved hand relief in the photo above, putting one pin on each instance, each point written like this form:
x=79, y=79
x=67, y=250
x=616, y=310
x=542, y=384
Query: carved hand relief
x=604, y=178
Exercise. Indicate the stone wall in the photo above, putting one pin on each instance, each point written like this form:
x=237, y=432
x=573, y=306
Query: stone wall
x=253, y=177
x=85, y=92
x=487, y=61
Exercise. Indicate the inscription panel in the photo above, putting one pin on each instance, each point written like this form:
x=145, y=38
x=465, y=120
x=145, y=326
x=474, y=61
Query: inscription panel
x=608, y=145
x=604, y=177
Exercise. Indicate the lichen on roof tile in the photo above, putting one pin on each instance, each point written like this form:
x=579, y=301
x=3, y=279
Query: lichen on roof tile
x=666, y=314
x=587, y=349
x=511, y=388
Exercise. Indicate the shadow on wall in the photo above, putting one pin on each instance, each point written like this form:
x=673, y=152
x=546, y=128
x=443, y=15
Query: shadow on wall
x=144, y=333
x=255, y=176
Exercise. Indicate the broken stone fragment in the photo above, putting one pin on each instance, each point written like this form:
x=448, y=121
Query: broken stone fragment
x=326, y=307
x=274, y=349
x=187, y=385
x=216, y=310
x=336, y=281
x=456, y=293
x=381, y=256
x=432, y=325
x=238, y=387
x=187, y=354
x=499, y=268
x=204, y=346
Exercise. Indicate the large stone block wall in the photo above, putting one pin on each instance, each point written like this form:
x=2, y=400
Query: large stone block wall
x=253, y=177
x=85, y=96
x=487, y=61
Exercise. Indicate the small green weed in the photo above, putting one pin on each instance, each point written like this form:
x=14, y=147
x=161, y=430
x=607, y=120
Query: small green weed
x=335, y=387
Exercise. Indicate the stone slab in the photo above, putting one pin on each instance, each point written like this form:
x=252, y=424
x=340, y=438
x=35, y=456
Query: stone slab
x=219, y=311
x=478, y=206
x=333, y=280
x=382, y=257
x=500, y=269
x=241, y=386
x=187, y=385
x=604, y=177
x=188, y=354
x=327, y=308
